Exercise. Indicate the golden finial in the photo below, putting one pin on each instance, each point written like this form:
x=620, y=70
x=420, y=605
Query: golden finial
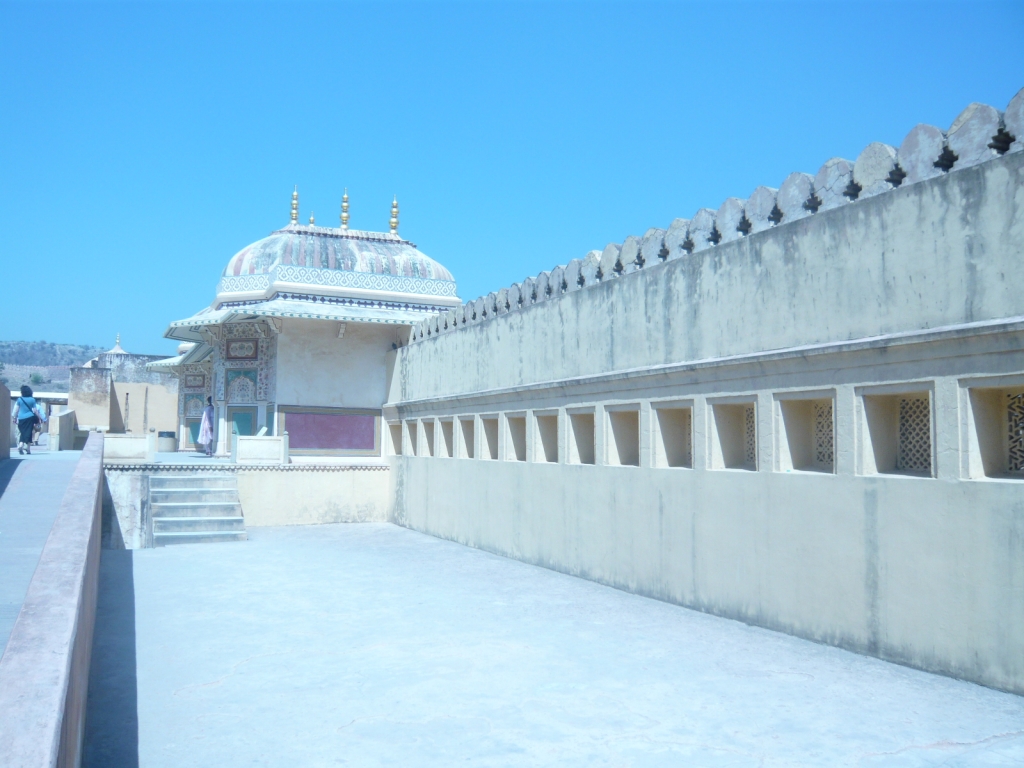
x=295, y=205
x=344, y=210
x=117, y=347
x=312, y=221
x=394, y=216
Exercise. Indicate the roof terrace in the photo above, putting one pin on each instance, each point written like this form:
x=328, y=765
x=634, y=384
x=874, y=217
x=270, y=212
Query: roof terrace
x=369, y=644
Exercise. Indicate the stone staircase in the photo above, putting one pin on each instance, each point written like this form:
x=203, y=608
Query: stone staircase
x=192, y=509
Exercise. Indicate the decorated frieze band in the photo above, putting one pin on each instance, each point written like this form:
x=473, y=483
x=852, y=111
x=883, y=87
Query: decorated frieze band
x=335, y=278
x=241, y=349
x=340, y=301
x=234, y=468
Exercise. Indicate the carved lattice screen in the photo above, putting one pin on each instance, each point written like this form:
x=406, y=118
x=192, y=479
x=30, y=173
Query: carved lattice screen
x=914, y=450
x=688, y=438
x=823, y=440
x=750, y=444
x=1015, y=420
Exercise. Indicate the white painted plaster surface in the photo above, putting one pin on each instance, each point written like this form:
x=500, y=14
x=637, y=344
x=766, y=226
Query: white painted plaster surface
x=315, y=367
x=126, y=523
x=374, y=645
x=759, y=208
x=925, y=571
x=150, y=406
x=922, y=256
x=793, y=194
x=873, y=167
x=971, y=133
x=354, y=495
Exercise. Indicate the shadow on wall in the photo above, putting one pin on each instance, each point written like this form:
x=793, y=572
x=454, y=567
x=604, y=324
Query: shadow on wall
x=112, y=715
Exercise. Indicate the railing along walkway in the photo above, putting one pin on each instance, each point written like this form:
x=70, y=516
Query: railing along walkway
x=31, y=490
x=44, y=671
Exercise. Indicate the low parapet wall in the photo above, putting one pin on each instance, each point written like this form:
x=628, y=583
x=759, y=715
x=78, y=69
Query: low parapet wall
x=62, y=431
x=274, y=494
x=44, y=671
x=804, y=411
x=357, y=493
x=128, y=449
x=759, y=490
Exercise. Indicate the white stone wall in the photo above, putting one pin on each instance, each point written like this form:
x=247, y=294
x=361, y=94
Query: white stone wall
x=316, y=368
x=940, y=252
x=902, y=313
x=315, y=496
x=922, y=568
x=350, y=492
x=979, y=135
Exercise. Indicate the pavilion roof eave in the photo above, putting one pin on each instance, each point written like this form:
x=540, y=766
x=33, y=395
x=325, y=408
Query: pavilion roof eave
x=167, y=364
x=189, y=329
x=197, y=354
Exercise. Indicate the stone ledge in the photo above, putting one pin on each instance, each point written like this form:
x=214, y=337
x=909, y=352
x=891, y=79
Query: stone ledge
x=245, y=467
x=886, y=341
x=44, y=672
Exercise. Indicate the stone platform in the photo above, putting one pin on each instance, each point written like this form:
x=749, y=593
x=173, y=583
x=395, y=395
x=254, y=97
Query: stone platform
x=373, y=645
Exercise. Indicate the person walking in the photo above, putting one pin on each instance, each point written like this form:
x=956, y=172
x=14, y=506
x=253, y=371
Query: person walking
x=206, y=427
x=25, y=413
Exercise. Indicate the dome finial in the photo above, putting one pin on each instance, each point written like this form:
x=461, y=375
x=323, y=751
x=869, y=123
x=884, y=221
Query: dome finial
x=295, y=205
x=312, y=221
x=394, y=216
x=344, y=210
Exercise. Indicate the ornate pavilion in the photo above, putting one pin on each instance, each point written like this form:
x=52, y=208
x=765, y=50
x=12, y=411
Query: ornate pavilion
x=297, y=336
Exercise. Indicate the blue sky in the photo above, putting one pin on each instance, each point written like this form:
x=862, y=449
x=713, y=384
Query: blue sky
x=142, y=145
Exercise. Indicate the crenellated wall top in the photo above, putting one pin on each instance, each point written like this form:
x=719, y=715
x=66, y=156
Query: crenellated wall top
x=980, y=133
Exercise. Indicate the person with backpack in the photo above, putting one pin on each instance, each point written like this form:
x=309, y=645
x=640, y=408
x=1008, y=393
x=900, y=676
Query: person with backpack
x=25, y=414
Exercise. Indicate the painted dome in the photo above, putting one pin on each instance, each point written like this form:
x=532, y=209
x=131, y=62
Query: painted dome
x=327, y=248
x=326, y=273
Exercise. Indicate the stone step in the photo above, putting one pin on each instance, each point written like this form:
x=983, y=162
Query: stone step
x=197, y=509
x=198, y=480
x=193, y=524
x=197, y=537
x=176, y=495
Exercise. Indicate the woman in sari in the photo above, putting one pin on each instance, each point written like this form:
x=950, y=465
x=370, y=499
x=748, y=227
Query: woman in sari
x=206, y=428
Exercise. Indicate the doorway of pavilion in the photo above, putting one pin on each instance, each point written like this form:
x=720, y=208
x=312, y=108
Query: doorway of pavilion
x=242, y=420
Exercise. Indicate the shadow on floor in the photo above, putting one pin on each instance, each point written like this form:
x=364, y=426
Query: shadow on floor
x=112, y=715
x=7, y=470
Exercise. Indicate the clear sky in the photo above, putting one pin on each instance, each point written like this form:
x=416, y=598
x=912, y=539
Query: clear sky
x=142, y=145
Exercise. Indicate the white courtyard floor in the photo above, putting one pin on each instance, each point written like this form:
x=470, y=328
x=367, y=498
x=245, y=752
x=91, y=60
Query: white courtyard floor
x=374, y=645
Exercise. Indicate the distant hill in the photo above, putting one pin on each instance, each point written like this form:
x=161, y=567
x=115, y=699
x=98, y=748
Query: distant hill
x=43, y=353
